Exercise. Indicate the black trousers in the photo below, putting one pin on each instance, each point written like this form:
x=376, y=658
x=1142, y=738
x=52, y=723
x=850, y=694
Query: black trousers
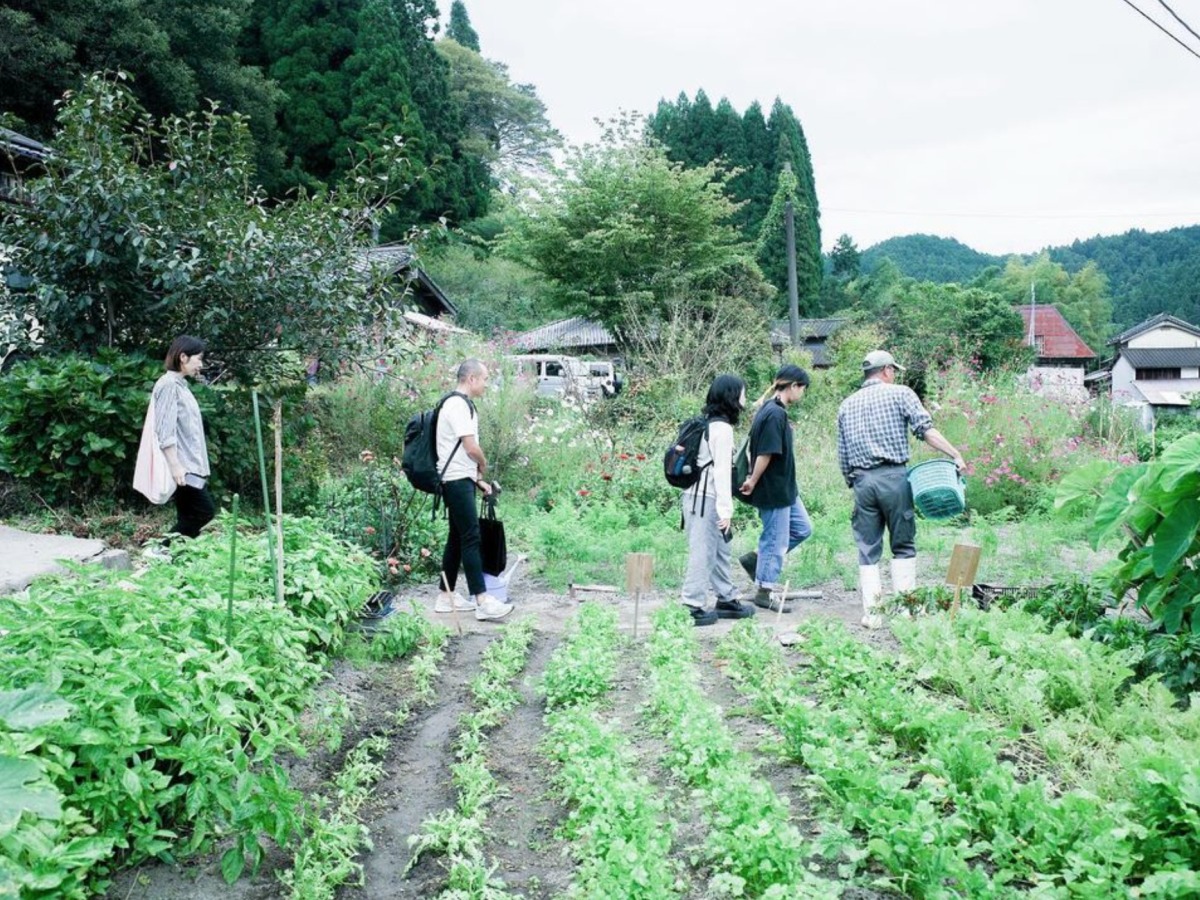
x=462, y=544
x=193, y=510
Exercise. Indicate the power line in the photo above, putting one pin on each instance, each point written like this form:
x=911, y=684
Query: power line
x=1159, y=26
x=1175, y=16
x=988, y=215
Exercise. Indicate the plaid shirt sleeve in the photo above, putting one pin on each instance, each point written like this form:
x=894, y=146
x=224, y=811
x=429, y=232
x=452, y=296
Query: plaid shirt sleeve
x=843, y=453
x=919, y=419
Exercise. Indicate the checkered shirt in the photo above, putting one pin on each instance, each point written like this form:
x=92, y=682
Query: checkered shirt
x=873, y=423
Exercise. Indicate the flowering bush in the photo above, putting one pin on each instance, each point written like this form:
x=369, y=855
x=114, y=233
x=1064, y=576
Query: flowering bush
x=374, y=507
x=1017, y=445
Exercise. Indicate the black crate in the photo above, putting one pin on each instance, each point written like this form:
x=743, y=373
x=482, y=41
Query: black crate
x=986, y=594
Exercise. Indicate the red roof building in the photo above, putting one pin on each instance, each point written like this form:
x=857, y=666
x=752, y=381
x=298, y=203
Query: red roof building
x=1054, y=338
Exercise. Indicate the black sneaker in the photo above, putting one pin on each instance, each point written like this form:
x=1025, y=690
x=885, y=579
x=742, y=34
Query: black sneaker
x=702, y=616
x=749, y=562
x=733, y=609
x=763, y=600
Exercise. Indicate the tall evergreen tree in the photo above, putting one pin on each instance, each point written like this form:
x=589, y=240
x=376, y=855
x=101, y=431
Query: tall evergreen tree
x=460, y=29
x=304, y=45
x=698, y=132
x=666, y=125
x=179, y=55
x=791, y=149
x=756, y=184
x=357, y=70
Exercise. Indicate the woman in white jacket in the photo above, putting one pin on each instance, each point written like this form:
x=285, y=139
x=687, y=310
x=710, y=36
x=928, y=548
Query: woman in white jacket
x=708, y=510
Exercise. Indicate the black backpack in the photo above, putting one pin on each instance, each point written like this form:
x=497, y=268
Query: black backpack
x=420, y=447
x=680, y=461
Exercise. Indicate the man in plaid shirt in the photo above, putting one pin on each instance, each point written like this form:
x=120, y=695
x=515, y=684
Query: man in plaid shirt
x=872, y=446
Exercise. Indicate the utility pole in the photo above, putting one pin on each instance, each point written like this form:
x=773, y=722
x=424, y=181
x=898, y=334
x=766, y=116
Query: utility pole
x=1033, y=318
x=789, y=218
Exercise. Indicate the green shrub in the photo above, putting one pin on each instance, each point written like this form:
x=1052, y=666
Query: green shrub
x=374, y=507
x=228, y=412
x=70, y=425
x=170, y=742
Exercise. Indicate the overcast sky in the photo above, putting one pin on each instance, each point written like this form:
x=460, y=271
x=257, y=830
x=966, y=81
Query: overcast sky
x=1011, y=124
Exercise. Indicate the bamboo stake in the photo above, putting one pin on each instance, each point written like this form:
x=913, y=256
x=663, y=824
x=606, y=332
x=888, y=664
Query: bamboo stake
x=279, y=501
x=232, y=573
x=262, y=470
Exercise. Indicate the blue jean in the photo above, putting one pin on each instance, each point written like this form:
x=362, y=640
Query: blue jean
x=783, y=530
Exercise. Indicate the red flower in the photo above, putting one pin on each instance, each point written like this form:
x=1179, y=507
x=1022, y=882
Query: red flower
x=583, y=492
x=607, y=476
x=622, y=456
x=369, y=530
x=641, y=457
x=406, y=567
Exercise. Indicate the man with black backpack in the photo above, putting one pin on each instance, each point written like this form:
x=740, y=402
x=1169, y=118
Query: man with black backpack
x=461, y=464
x=771, y=488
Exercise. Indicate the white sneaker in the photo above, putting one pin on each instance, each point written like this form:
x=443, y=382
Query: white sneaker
x=491, y=608
x=456, y=602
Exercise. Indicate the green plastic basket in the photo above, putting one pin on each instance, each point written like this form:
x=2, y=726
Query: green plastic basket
x=938, y=490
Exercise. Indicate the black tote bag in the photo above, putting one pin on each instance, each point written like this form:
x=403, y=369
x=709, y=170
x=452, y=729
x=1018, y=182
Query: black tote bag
x=492, y=546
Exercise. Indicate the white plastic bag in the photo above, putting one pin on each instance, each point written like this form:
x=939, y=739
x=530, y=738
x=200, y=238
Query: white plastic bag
x=152, y=475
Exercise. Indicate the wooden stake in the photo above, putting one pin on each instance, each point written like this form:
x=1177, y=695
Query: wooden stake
x=964, y=564
x=639, y=576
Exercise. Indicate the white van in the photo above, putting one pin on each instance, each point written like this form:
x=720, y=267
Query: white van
x=556, y=375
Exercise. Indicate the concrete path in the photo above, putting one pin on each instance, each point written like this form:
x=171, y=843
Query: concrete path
x=25, y=556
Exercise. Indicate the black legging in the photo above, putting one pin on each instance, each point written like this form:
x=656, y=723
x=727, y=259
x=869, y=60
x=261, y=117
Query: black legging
x=462, y=544
x=193, y=510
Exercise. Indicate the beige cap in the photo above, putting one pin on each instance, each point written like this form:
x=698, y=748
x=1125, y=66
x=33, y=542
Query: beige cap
x=877, y=359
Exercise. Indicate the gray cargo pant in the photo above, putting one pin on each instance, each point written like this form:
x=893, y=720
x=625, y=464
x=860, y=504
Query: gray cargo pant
x=708, y=555
x=883, y=499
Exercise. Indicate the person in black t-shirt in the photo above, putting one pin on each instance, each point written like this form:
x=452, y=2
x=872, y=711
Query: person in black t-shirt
x=771, y=487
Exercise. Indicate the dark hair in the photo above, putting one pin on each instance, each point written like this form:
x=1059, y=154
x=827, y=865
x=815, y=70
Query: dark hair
x=723, y=396
x=790, y=374
x=183, y=345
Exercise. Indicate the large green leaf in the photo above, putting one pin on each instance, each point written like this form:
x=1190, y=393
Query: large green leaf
x=20, y=792
x=1174, y=536
x=1114, y=504
x=1083, y=485
x=30, y=708
x=1180, y=459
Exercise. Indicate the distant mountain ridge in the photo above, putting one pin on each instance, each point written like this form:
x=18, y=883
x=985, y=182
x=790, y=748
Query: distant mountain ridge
x=1148, y=271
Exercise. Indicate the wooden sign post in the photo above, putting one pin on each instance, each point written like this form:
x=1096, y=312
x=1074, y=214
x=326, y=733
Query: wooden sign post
x=964, y=563
x=639, y=577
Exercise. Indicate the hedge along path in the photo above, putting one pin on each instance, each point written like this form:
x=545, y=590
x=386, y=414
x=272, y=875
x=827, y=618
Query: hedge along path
x=923, y=781
x=460, y=833
x=751, y=845
x=621, y=837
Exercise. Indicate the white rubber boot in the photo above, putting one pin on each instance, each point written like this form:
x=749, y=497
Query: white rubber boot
x=904, y=577
x=869, y=588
